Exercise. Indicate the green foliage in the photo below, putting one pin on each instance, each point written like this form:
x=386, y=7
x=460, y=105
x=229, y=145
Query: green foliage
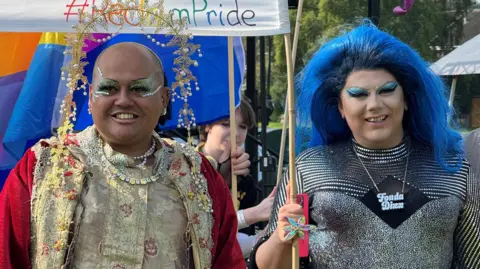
x=430, y=24
x=310, y=31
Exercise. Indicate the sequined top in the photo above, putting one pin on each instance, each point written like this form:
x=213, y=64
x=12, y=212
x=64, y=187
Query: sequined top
x=442, y=231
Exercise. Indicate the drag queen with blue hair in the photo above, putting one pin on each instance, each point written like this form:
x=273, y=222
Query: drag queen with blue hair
x=387, y=183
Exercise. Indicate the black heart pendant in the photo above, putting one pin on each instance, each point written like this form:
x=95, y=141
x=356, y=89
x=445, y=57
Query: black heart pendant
x=393, y=212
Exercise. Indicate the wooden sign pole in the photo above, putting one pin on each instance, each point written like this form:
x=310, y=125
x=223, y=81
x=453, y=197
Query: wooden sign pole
x=291, y=141
x=233, y=131
x=286, y=118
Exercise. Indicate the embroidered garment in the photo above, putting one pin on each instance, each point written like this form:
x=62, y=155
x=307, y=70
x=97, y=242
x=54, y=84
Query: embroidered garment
x=179, y=216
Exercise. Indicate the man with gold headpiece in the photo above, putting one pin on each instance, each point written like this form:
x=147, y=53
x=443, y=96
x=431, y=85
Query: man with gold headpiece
x=120, y=197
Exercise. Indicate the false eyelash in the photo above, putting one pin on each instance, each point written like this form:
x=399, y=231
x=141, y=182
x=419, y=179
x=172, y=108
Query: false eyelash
x=106, y=88
x=104, y=92
x=388, y=87
x=356, y=92
x=141, y=90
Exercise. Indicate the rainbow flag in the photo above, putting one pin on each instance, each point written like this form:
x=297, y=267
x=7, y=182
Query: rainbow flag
x=15, y=56
x=13, y=71
x=32, y=113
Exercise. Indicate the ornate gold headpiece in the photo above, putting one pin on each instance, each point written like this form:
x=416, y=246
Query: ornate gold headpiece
x=141, y=15
x=119, y=14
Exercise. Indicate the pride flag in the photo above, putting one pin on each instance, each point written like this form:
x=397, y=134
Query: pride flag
x=32, y=114
x=16, y=54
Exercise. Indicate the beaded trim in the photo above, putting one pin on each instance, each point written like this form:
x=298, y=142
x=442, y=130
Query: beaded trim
x=161, y=155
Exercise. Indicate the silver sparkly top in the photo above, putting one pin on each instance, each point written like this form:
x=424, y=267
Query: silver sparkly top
x=442, y=233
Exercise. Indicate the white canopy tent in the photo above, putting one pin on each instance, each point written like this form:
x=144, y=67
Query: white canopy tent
x=464, y=60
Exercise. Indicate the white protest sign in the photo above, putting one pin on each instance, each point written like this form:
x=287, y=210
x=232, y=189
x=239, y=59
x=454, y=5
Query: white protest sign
x=204, y=17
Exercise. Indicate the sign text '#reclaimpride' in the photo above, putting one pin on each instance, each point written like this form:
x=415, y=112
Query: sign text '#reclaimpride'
x=215, y=14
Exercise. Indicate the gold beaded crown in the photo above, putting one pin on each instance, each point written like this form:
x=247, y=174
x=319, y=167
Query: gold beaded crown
x=122, y=13
x=112, y=18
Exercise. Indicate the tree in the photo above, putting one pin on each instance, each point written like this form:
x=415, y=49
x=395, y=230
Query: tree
x=311, y=30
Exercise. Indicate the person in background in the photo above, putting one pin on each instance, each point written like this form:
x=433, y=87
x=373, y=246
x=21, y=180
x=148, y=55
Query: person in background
x=215, y=144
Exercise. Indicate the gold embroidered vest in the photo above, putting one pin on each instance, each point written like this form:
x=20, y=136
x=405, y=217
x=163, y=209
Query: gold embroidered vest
x=93, y=218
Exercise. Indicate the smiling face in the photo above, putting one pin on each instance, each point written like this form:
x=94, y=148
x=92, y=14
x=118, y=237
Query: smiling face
x=373, y=104
x=127, y=94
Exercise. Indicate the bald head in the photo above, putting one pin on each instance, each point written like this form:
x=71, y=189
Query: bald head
x=128, y=80
x=129, y=56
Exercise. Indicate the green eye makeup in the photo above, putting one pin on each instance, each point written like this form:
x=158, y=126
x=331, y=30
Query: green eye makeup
x=106, y=87
x=144, y=87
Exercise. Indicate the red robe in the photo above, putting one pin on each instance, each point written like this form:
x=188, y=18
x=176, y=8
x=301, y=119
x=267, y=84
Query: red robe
x=15, y=218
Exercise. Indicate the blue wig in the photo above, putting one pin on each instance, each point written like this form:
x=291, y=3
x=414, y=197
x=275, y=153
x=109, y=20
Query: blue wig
x=366, y=47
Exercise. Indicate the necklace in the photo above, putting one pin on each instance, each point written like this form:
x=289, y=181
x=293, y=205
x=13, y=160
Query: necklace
x=388, y=201
x=121, y=161
x=126, y=160
x=146, y=155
